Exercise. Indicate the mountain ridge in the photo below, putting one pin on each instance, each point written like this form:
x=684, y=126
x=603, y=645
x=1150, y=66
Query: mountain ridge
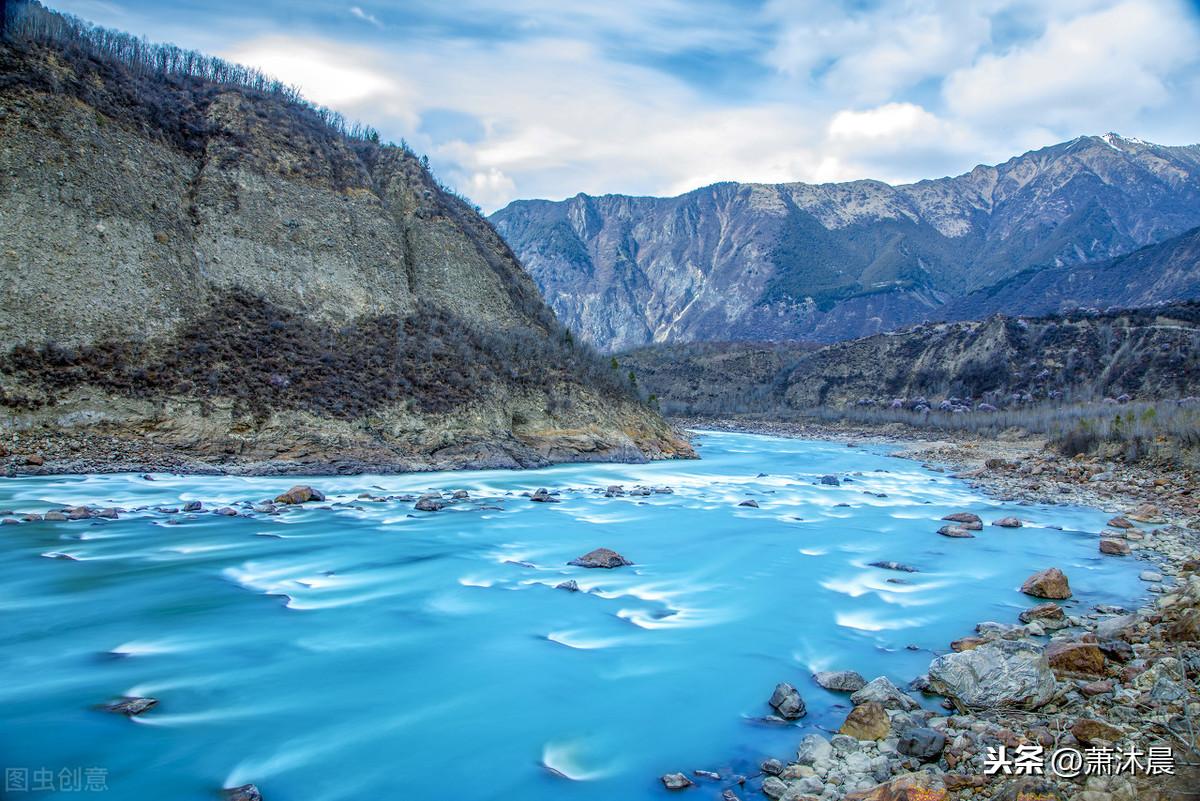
x=839, y=260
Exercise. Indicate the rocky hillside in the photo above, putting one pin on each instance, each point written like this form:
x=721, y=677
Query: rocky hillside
x=200, y=268
x=1002, y=362
x=1168, y=271
x=837, y=261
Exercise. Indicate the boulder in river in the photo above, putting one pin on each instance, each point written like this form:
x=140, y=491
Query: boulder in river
x=601, y=557
x=542, y=495
x=247, y=792
x=676, y=781
x=954, y=531
x=882, y=691
x=787, y=702
x=1003, y=674
x=830, y=481
x=922, y=744
x=570, y=585
x=193, y=506
x=751, y=503
x=301, y=493
x=430, y=503
x=814, y=749
x=963, y=517
x=1114, y=547
x=1050, y=583
x=131, y=706
x=1008, y=522
x=1120, y=522
x=842, y=681
x=867, y=721
x=890, y=565
x=1043, y=612
x=54, y=516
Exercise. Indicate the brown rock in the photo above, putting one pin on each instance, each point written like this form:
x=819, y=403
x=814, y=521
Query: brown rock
x=1184, y=629
x=963, y=517
x=1050, y=583
x=1008, y=522
x=1077, y=658
x=1146, y=513
x=1046, y=611
x=919, y=786
x=1114, y=547
x=867, y=721
x=1094, y=688
x=967, y=643
x=957, y=781
x=35, y=460
x=954, y=531
x=1120, y=522
x=300, y=494
x=1089, y=731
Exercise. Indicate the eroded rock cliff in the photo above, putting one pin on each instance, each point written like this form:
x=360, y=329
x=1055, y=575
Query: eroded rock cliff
x=198, y=272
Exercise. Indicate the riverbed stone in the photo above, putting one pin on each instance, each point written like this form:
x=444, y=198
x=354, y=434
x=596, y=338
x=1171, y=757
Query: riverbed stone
x=600, y=558
x=842, y=681
x=963, y=517
x=787, y=702
x=430, y=503
x=676, y=781
x=1120, y=522
x=570, y=585
x=830, y=480
x=882, y=691
x=247, y=792
x=1048, y=611
x=1075, y=658
x=1050, y=583
x=921, y=743
x=774, y=788
x=753, y=504
x=906, y=787
x=890, y=565
x=131, y=706
x=543, y=495
x=1002, y=674
x=1090, y=731
x=867, y=721
x=814, y=749
x=1008, y=522
x=955, y=531
x=1114, y=547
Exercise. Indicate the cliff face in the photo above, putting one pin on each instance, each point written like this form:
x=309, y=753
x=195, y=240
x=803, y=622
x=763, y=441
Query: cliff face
x=838, y=261
x=1004, y=361
x=201, y=272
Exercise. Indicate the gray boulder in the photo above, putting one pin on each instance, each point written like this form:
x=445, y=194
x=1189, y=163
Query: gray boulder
x=601, y=557
x=247, y=792
x=923, y=744
x=814, y=749
x=1002, y=674
x=842, y=681
x=131, y=706
x=676, y=781
x=430, y=503
x=787, y=702
x=882, y=691
x=830, y=481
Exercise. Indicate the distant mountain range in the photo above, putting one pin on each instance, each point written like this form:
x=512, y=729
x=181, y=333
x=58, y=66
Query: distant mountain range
x=836, y=261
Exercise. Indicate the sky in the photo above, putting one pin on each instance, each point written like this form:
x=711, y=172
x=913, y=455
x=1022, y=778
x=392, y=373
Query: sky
x=548, y=98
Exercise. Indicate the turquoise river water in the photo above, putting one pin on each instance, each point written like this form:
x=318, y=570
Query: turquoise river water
x=361, y=650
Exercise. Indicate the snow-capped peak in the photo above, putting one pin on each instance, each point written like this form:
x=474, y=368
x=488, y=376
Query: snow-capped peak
x=1115, y=140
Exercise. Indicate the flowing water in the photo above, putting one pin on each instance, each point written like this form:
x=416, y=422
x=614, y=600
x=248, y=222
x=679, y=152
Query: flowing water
x=360, y=650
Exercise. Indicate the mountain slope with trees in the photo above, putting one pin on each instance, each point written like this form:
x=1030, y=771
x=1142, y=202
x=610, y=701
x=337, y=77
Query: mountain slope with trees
x=201, y=268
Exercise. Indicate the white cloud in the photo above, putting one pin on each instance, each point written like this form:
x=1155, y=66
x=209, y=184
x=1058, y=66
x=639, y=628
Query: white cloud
x=896, y=91
x=365, y=16
x=1093, y=72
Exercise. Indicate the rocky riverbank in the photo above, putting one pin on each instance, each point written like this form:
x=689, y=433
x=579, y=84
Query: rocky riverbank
x=1112, y=689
